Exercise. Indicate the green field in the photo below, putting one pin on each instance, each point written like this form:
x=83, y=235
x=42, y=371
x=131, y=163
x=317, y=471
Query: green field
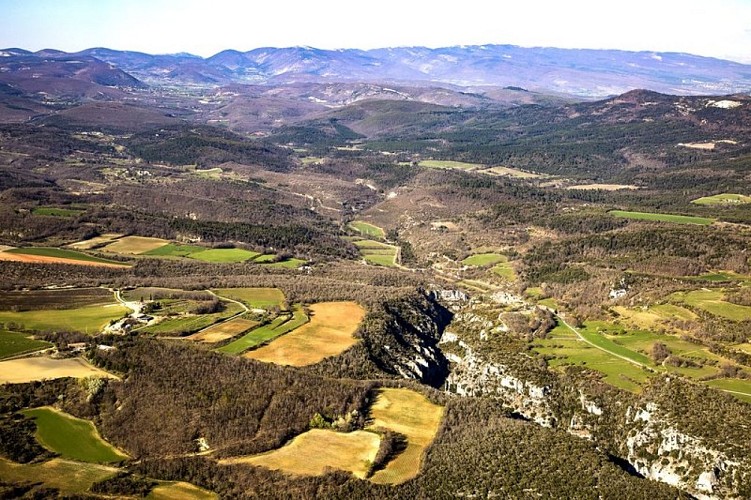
x=484, y=259
x=505, y=271
x=175, y=250
x=292, y=263
x=713, y=302
x=265, y=258
x=72, y=437
x=378, y=253
x=366, y=229
x=593, y=332
x=454, y=165
x=735, y=386
x=14, y=343
x=723, y=199
x=181, y=325
x=223, y=255
x=67, y=476
x=63, y=254
x=255, y=298
x=279, y=326
x=677, y=219
x=90, y=319
x=57, y=212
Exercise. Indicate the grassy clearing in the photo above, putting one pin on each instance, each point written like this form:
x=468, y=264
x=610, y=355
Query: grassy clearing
x=377, y=253
x=453, y=165
x=603, y=187
x=593, y=332
x=653, y=316
x=89, y=319
x=135, y=245
x=292, y=263
x=174, y=250
x=484, y=259
x=224, y=331
x=224, y=255
x=313, y=452
x=412, y=414
x=266, y=258
x=18, y=371
x=72, y=437
x=712, y=302
x=61, y=253
x=57, y=212
x=366, y=229
x=67, y=476
x=255, y=298
x=329, y=333
x=723, y=199
x=676, y=219
x=95, y=241
x=15, y=343
x=278, y=327
x=512, y=172
x=505, y=271
x=735, y=386
x=180, y=491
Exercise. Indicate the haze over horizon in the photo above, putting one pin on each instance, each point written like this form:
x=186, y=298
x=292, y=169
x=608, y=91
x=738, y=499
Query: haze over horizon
x=720, y=29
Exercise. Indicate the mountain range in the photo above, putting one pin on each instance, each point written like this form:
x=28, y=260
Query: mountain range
x=583, y=73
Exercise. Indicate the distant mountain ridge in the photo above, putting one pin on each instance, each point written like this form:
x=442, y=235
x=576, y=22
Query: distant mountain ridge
x=582, y=72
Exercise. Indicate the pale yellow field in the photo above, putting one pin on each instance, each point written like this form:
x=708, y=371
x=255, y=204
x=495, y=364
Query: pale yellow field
x=312, y=452
x=328, y=333
x=409, y=413
x=180, y=491
x=512, y=172
x=17, y=371
x=653, y=316
x=135, y=245
x=68, y=476
x=223, y=331
x=97, y=240
x=604, y=187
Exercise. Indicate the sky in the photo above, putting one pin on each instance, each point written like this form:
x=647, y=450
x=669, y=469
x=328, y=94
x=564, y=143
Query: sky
x=716, y=28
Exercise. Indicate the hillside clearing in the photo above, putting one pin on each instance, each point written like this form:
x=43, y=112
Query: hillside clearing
x=224, y=255
x=180, y=491
x=95, y=241
x=255, y=298
x=68, y=476
x=135, y=245
x=329, y=333
x=655, y=217
x=19, y=371
x=366, y=229
x=45, y=255
x=723, y=199
x=223, y=331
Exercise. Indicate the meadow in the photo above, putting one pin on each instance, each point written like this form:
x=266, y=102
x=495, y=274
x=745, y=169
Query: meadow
x=135, y=245
x=174, y=250
x=484, y=259
x=87, y=319
x=180, y=491
x=649, y=216
x=712, y=301
x=224, y=255
x=71, y=437
x=223, y=331
x=277, y=327
x=15, y=343
x=19, y=371
x=69, y=477
x=367, y=230
x=449, y=164
x=255, y=298
x=329, y=333
x=96, y=241
x=723, y=199
x=378, y=253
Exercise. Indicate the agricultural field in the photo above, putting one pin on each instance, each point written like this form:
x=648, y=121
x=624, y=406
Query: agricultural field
x=367, y=230
x=254, y=298
x=505, y=270
x=224, y=255
x=723, y=199
x=71, y=437
x=452, y=165
x=61, y=298
x=57, y=212
x=96, y=241
x=15, y=343
x=412, y=414
x=512, y=172
x=655, y=217
x=378, y=253
x=87, y=319
x=68, y=476
x=19, y=371
x=277, y=327
x=712, y=301
x=135, y=245
x=180, y=491
x=484, y=259
x=292, y=263
x=653, y=316
x=174, y=250
x=313, y=452
x=603, y=187
x=329, y=333
x=738, y=388
x=177, y=321
x=223, y=331
x=42, y=255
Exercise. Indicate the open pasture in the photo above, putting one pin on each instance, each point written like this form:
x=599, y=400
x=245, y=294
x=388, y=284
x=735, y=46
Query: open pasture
x=61, y=298
x=19, y=371
x=94, y=242
x=412, y=414
x=174, y=250
x=279, y=326
x=313, y=452
x=329, y=333
x=15, y=343
x=512, y=172
x=180, y=491
x=87, y=319
x=712, y=301
x=484, y=259
x=135, y=245
x=723, y=199
x=224, y=255
x=653, y=316
x=452, y=165
x=223, y=331
x=69, y=477
x=46, y=255
x=255, y=298
x=378, y=253
x=73, y=438
x=292, y=263
x=367, y=230
x=185, y=323
x=655, y=217
x=737, y=387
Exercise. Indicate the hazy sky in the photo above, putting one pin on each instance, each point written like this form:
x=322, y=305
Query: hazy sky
x=718, y=28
